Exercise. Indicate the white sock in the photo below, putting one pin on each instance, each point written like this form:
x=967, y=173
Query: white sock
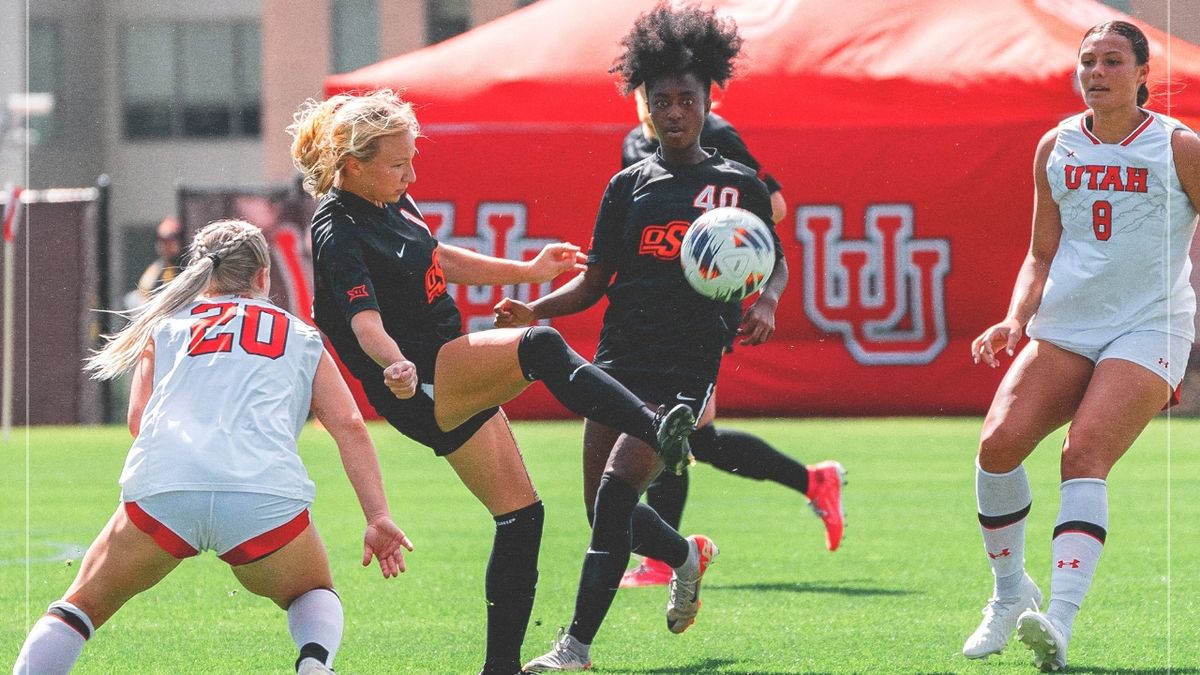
x=1079, y=536
x=316, y=617
x=1003, y=500
x=53, y=646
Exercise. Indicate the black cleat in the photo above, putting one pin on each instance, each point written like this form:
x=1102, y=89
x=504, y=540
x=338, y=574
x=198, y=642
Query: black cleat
x=672, y=430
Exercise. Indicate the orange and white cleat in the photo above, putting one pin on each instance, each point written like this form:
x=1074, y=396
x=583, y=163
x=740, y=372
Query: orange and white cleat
x=825, y=481
x=685, y=583
x=650, y=572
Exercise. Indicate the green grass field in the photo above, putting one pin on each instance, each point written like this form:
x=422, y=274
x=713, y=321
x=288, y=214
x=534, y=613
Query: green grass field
x=899, y=597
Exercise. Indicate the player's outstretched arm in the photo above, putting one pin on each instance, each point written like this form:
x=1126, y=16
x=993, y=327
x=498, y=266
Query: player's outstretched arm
x=581, y=292
x=463, y=266
x=334, y=406
x=758, y=324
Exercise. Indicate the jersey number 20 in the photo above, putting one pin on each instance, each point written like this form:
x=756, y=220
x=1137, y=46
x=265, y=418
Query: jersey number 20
x=209, y=338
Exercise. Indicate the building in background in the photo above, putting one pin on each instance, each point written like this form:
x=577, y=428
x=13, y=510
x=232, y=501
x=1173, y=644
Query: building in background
x=174, y=92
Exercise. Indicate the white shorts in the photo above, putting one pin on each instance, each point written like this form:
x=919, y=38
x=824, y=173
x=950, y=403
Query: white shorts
x=240, y=526
x=1161, y=353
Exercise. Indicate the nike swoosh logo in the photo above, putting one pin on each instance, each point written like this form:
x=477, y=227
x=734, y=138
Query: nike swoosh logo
x=638, y=197
x=681, y=397
x=400, y=253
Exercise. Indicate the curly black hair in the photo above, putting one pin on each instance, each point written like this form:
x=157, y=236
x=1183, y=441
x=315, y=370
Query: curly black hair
x=667, y=41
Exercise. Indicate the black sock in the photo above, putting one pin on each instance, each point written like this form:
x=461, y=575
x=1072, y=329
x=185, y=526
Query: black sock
x=748, y=456
x=607, y=556
x=583, y=388
x=510, y=584
x=654, y=538
x=667, y=495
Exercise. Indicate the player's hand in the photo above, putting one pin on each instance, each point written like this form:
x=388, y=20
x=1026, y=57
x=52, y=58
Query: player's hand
x=401, y=379
x=555, y=259
x=1004, y=335
x=384, y=541
x=513, y=313
x=758, y=324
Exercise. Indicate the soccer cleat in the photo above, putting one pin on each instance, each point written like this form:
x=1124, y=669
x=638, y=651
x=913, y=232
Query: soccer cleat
x=825, y=481
x=685, y=583
x=650, y=572
x=568, y=654
x=999, y=619
x=311, y=666
x=1045, y=639
x=672, y=429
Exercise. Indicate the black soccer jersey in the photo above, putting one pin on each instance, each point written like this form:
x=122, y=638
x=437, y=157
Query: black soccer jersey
x=656, y=322
x=717, y=134
x=359, y=248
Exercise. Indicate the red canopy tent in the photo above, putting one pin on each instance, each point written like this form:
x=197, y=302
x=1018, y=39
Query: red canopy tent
x=903, y=134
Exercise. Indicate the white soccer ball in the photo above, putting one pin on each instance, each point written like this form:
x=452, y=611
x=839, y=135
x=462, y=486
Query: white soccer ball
x=727, y=254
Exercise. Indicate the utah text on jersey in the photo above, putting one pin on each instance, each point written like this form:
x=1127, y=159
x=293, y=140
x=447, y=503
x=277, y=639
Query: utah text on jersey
x=867, y=290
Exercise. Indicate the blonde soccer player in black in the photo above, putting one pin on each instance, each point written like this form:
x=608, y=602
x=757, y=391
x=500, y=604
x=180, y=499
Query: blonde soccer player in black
x=382, y=299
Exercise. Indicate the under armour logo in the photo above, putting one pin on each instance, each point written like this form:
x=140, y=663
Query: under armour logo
x=1073, y=563
x=1002, y=554
x=1164, y=363
x=1071, y=153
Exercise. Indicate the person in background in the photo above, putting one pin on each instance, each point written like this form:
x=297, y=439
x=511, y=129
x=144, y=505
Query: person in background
x=381, y=297
x=730, y=450
x=223, y=383
x=1104, y=295
x=169, y=247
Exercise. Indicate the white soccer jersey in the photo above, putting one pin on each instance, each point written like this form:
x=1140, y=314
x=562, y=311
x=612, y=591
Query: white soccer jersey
x=232, y=388
x=1122, y=262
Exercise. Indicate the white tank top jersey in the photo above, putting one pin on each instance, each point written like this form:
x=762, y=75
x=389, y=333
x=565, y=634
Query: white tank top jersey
x=1122, y=262
x=232, y=389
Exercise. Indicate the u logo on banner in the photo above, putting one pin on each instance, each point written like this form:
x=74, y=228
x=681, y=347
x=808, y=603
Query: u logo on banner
x=500, y=231
x=885, y=295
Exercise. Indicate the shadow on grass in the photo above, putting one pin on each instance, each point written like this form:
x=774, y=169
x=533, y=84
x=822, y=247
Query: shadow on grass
x=715, y=666
x=1134, y=671
x=848, y=589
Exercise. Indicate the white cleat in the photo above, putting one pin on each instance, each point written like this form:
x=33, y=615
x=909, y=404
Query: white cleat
x=685, y=586
x=311, y=666
x=568, y=654
x=1000, y=619
x=1045, y=639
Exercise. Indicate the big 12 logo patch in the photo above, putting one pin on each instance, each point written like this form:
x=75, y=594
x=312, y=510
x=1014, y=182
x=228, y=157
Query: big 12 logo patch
x=885, y=295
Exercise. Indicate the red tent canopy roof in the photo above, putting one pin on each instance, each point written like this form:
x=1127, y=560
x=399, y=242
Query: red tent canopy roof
x=824, y=62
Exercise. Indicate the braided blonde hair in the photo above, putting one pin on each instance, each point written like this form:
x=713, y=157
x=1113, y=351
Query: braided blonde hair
x=224, y=258
x=325, y=133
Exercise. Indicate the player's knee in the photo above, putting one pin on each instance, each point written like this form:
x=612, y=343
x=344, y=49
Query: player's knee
x=73, y=616
x=1001, y=450
x=1081, y=459
x=540, y=347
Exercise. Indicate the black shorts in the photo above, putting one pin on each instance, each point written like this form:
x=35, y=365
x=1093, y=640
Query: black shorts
x=414, y=418
x=666, y=388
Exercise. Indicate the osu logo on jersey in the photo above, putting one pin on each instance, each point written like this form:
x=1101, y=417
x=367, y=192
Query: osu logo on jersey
x=358, y=292
x=663, y=241
x=885, y=295
x=435, y=279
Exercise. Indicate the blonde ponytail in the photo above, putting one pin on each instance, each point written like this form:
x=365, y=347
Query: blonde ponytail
x=225, y=257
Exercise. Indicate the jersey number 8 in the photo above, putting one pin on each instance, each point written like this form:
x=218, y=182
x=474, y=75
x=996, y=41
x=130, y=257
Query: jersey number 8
x=1102, y=220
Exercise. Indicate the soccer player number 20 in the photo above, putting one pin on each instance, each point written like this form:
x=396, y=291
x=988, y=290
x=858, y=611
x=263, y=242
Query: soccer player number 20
x=209, y=338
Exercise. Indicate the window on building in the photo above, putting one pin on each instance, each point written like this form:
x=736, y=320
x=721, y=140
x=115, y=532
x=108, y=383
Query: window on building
x=191, y=79
x=44, y=73
x=355, y=27
x=446, y=18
